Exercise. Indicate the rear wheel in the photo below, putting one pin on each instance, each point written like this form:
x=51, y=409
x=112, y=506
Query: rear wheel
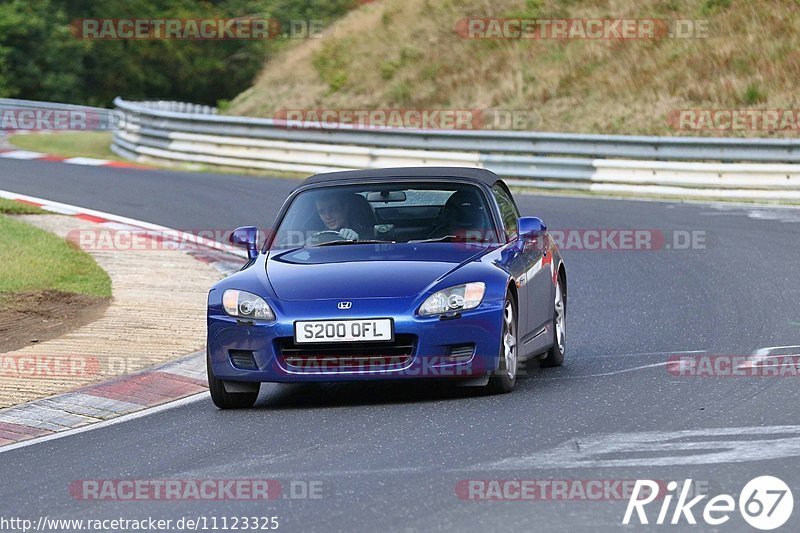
x=555, y=356
x=505, y=377
x=230, y=400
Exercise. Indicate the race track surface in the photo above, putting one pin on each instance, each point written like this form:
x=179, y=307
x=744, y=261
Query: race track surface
x=390, y=456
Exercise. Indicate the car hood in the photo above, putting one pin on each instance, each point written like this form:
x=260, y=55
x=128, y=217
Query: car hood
x=364, y=270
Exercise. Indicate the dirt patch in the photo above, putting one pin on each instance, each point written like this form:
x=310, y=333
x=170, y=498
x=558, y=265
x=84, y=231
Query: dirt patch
x=29, y=318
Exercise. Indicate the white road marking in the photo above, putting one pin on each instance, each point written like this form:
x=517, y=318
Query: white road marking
x=86, y=161
x=22, y=154
x=778, y=350
x=55, y=206
x=780, y=213
x=604, y=374
x=780, y=216
x=770, y=354
x=62, y=211
x=640, y=354
x=662, y=448
x=119, y=420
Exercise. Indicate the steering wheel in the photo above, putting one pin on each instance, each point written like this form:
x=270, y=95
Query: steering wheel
x=438, y=231
x=327, y=235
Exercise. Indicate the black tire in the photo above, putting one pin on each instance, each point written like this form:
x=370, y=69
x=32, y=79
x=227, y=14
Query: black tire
x=500, y=382
x=555, y=355
x=229, y=400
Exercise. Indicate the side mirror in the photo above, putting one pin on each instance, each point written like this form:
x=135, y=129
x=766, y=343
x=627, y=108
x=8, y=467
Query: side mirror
x=530, y=228
x=246, y=237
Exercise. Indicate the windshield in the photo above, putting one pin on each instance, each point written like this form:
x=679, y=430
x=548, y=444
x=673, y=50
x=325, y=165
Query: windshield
x=394, y=213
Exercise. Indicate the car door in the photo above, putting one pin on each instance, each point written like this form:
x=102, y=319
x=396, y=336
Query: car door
x=537, y=279
x=517, y=260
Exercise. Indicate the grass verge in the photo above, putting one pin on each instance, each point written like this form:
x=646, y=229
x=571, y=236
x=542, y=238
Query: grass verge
x=34, y=260
x=94, y=144
x=12, y=207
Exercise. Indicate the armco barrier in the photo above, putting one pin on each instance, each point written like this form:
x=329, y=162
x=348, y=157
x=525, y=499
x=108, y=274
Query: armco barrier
x=759, y=169
x=697, y=167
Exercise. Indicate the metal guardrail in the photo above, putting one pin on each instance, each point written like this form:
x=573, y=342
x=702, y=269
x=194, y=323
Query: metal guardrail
x=178, y=107
x=509, y=142
x=29, y=115
x=759, y=169
x=177, y=132
x=13, y=103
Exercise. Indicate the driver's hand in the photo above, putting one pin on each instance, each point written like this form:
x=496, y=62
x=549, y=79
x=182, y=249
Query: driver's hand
x=348, y=234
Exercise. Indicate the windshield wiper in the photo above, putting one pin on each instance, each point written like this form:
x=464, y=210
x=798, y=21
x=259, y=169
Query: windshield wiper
x=350, y=241
x=446, y=238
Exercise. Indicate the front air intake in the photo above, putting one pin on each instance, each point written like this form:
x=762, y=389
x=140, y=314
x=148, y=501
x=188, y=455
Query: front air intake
x=461, y=352
x=243, y=359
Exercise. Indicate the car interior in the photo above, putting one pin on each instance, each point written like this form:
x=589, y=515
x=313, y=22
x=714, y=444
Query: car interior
x=401, y=214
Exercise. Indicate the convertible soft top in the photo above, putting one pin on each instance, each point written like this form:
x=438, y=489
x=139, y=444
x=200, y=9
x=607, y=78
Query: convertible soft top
x=478, y=174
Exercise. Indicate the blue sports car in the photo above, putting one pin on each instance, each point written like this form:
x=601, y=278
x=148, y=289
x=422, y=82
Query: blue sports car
x=389, y=274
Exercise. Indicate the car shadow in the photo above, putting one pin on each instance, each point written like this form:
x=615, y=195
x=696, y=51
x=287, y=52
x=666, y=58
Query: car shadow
x=304, y=395
x=280, y=396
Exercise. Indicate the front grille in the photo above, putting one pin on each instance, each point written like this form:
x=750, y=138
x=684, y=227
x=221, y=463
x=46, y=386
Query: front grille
x=356, y=356
x=243, y=359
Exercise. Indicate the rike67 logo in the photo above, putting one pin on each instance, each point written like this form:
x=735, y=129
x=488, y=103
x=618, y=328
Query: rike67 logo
x=765, y=502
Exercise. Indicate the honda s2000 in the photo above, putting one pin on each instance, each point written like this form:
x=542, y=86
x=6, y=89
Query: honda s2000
x=389, y=274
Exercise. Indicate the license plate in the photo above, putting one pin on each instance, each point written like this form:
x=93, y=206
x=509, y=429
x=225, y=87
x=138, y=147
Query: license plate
x=369, y=329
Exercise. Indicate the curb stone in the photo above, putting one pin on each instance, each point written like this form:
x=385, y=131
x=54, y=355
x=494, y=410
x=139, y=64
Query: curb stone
x=103, y=401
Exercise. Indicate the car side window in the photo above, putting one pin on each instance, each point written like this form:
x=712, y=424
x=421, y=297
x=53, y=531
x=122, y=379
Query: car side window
x=508, y=212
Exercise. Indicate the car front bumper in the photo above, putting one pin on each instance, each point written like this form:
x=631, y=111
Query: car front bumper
x=423, y=347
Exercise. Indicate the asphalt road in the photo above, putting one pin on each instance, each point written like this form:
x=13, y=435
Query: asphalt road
x=390, y=456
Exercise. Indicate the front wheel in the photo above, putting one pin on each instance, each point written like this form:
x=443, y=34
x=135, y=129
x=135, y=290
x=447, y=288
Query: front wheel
x=555, y=356
x=505, y=377
x=229, y=400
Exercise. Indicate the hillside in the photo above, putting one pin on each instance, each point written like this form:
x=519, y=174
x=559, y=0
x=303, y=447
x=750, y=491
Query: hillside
x=407, y=54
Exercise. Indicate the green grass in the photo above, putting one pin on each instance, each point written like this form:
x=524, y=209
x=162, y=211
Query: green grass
x=11, y=207
x=94, y=144
x=331, y=63
x=33, y=260
x=406, y=53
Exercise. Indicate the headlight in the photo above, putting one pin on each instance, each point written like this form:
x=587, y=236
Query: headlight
x=454, y=299
x=242, y=304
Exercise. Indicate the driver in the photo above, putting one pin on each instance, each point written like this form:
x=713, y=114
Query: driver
x=335, y=214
